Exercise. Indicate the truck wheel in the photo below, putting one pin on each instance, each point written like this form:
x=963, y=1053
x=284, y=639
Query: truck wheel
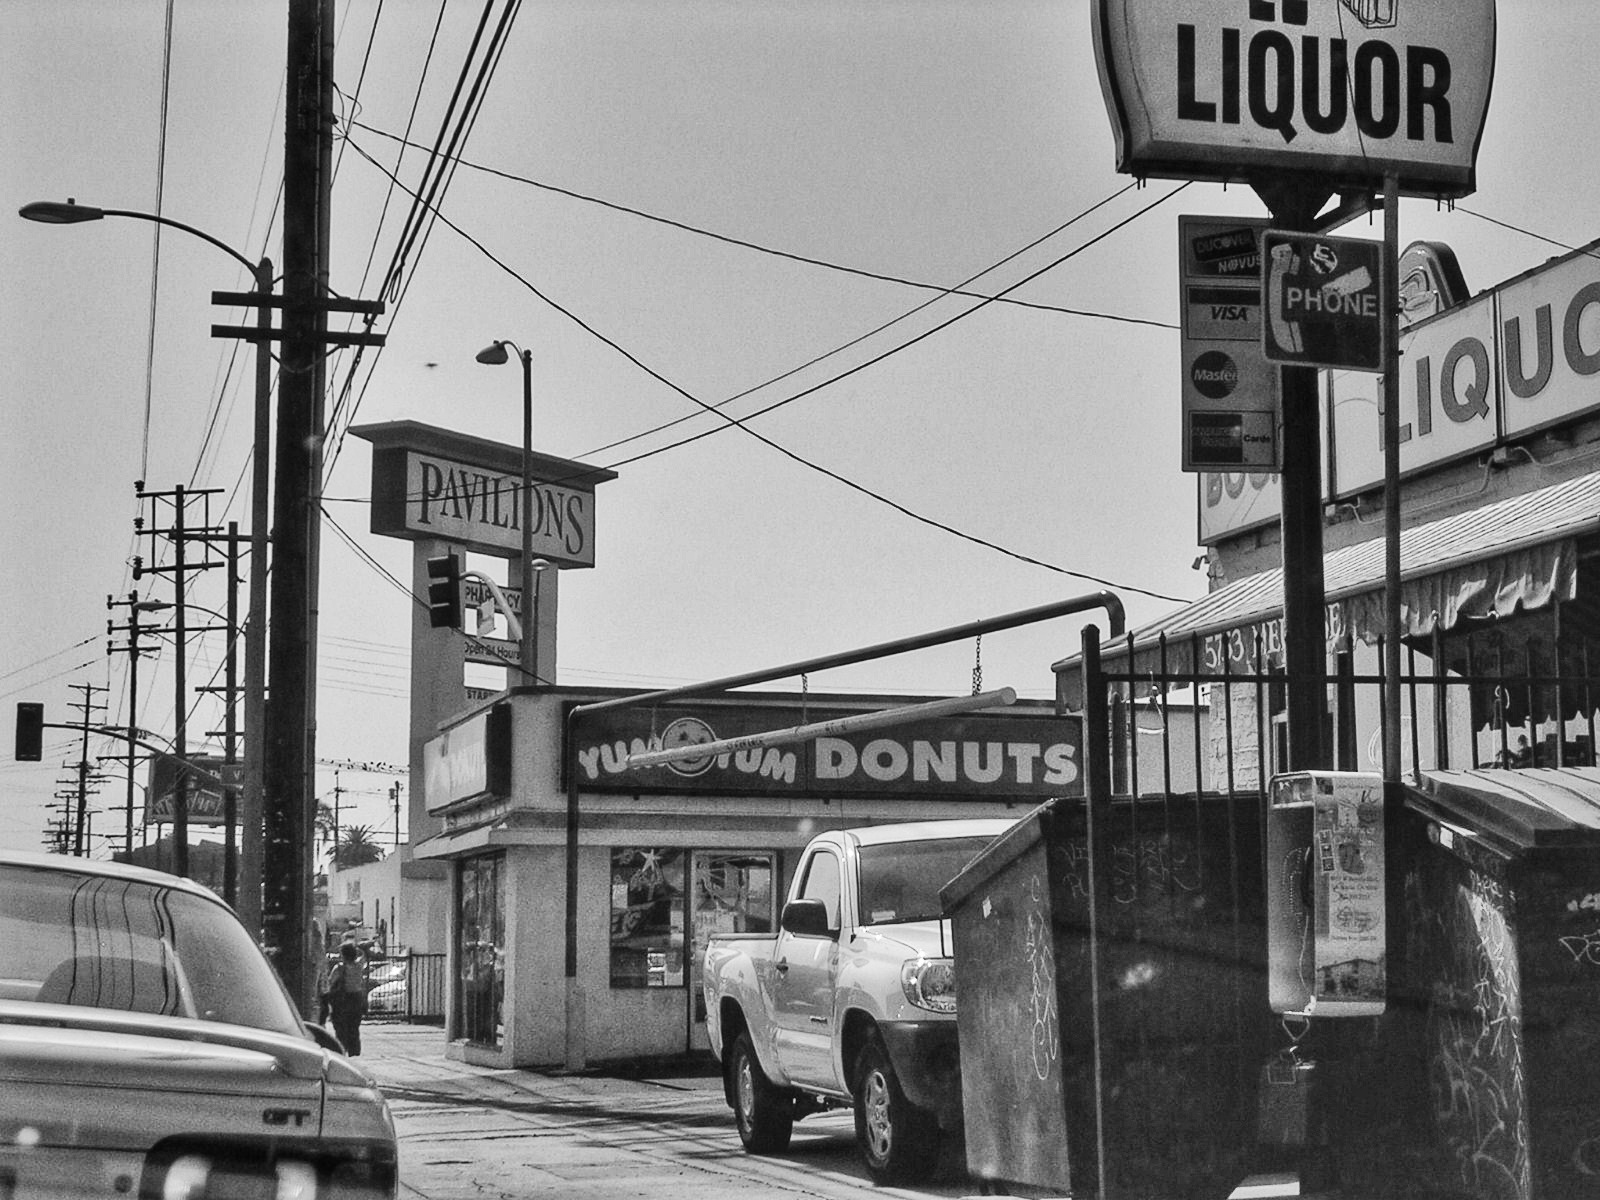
x=898, y=1141
x=765, y=1115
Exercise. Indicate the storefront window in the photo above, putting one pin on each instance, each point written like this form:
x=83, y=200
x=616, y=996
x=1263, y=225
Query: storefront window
x=480, y=950
x=661, y=920
x=647, y=917
x=733, y=893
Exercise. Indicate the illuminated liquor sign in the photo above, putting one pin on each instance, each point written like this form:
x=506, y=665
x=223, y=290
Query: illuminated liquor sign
x=1522, y=357
x=1352, y=90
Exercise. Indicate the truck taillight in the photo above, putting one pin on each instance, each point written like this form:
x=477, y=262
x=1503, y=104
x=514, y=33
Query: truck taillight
x=930, y=983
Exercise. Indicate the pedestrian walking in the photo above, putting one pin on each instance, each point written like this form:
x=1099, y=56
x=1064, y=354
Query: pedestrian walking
x=346, y=997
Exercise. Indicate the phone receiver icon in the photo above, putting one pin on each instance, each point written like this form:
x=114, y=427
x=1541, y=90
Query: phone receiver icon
x=1285, y=332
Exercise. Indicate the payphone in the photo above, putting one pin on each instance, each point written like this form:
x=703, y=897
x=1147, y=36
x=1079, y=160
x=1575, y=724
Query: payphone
x=1326, y=941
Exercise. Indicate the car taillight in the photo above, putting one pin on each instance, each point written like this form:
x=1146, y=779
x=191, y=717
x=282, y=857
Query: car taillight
x=356, y=1171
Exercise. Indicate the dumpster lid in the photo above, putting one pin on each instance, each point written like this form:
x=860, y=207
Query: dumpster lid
x=996, y=856
x=1518, y=809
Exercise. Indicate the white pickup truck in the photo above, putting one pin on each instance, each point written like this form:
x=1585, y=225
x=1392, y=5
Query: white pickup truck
x=852, y=1001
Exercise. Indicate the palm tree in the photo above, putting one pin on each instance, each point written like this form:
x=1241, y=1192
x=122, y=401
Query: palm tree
x=323, y=823
x=355, y=847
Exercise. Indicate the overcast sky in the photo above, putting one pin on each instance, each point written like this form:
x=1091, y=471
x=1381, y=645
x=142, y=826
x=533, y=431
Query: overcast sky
x=669, y=202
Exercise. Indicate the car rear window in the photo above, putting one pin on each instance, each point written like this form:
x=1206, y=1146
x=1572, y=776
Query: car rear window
x=133, y=945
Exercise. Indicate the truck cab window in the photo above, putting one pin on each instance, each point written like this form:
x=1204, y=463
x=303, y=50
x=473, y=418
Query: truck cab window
x=822, y=882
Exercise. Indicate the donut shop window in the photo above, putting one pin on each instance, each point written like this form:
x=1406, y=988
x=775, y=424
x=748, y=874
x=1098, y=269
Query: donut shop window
x=648, y=917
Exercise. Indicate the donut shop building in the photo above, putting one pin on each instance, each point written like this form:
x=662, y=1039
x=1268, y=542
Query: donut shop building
x=533, y=802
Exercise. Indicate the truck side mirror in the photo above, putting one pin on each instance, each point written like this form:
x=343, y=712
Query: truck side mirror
x=807, y=918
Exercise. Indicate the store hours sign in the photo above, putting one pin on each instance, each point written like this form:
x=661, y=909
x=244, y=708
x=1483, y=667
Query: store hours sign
x=1350, y=90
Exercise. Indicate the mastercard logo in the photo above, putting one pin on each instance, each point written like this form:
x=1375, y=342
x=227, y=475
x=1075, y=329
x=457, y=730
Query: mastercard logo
x=1214, y=375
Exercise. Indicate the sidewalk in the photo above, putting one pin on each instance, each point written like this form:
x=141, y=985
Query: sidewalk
x=412, y=1057
x=485, y=1133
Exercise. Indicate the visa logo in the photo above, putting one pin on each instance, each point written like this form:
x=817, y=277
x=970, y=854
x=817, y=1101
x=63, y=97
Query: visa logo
x=1231, y=312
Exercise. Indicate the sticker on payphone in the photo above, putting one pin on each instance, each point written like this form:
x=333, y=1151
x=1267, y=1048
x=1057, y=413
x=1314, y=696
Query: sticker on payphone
x=1325, y=874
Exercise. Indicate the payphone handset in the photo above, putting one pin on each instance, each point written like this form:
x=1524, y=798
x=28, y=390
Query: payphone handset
x=1326, y=945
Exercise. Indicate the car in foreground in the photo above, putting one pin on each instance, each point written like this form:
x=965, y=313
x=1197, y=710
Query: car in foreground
x=148, y=1049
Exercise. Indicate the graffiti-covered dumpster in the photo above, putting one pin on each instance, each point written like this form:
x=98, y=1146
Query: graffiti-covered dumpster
x=1146, y=1083
x=1502, y=956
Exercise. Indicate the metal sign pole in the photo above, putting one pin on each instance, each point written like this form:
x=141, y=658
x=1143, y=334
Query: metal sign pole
x=1391, y=482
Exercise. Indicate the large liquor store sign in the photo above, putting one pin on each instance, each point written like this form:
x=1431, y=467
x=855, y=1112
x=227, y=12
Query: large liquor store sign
x=1353, y=90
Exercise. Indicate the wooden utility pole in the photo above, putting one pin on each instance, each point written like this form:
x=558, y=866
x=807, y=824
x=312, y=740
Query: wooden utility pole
x=133, y=649
x=229, y=732
x=181, y=534
x=290, y=751
x=88, y=707
x=291, y=706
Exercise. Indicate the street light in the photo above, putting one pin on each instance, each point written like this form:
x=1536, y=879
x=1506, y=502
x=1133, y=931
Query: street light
x=50, y=212
x=494, y=354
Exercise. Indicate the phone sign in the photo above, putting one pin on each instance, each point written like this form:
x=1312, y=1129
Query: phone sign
x=1322, y=301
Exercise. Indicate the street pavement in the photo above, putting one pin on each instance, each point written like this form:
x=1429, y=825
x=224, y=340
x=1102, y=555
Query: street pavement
x=486, y=1133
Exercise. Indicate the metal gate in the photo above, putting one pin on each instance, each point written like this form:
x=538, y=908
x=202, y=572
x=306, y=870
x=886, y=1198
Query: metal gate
x=408, y=989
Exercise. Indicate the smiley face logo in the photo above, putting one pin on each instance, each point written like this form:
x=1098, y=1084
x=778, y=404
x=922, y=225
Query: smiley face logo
x=688, y=731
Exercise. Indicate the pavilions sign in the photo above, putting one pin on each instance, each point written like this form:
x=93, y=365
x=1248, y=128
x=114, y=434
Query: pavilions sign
x=1350, y=90
x=432, y=485
x=417, y=494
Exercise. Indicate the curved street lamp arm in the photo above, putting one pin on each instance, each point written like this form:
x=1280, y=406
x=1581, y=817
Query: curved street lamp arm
x=50, y=212
x=199, y=233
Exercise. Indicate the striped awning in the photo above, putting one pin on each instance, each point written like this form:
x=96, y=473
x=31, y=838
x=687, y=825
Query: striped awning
x=1515, y=554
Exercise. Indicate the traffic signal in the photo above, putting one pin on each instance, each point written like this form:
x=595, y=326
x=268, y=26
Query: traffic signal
x=444, y=591
x=30, y=731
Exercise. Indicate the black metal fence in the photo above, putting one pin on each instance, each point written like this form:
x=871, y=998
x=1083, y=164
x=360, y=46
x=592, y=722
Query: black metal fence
x=408, y=989
x=1486, y=698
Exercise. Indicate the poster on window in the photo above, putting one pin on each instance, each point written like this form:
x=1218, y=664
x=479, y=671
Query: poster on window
x=648, y=917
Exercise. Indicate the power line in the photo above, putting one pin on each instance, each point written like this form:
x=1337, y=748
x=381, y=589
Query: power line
x=741, y=422
x=1517, y=229
x=793, y=256
x=57, y=654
